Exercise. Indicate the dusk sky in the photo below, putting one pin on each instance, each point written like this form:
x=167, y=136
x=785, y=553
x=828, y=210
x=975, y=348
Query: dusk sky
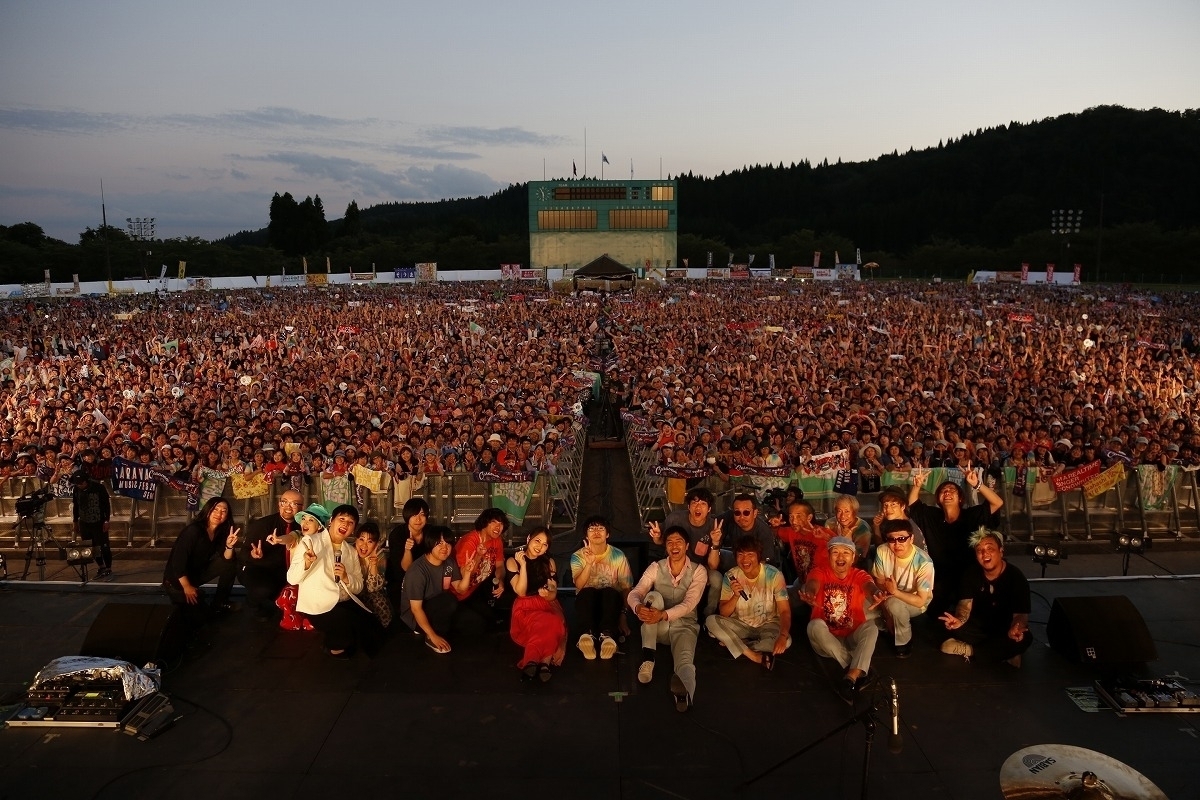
x=195, y=114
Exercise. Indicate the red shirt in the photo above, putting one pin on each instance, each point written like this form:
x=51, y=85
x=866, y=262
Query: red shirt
x=490, y=554
x=809, y=548
x=840, y=602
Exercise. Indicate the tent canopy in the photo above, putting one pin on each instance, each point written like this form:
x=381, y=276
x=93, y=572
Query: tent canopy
x=605, y=274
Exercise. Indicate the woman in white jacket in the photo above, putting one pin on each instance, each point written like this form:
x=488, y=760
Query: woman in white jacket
x=328, y=575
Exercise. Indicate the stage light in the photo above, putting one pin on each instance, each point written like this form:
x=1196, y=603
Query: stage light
x=79, y=555
x=1128, y=544
x=1047, y=554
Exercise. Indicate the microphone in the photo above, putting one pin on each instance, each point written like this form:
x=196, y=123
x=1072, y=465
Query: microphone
x=741, y=592
x=895, y=741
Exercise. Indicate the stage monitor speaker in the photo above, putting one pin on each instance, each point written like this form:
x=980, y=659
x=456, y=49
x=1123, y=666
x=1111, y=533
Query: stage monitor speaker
x=136, y=632
x=1100, y=630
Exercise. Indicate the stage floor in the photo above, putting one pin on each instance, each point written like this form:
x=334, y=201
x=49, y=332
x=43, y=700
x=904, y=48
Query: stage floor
x=267, y=713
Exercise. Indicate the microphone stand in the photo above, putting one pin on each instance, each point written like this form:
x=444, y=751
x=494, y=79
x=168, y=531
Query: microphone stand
x=869, y=723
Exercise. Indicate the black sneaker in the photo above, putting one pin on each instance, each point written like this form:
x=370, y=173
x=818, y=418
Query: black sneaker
x=683, y=701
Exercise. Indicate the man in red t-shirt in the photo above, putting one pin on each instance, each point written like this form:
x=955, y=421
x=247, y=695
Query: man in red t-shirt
x=486, y=544
x=841, y=596
x=808, y=543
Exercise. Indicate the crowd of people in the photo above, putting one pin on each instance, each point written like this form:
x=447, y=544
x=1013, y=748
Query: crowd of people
x=426, y=379
x=453, y=377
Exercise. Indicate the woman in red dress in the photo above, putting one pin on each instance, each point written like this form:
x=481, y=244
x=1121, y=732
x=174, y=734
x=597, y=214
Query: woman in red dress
x=537, y=618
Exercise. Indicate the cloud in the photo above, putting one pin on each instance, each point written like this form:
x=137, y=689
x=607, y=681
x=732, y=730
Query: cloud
x=411, y=183
x=44, y=120
x=490, y=137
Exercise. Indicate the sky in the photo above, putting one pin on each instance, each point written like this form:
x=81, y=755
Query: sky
x=196, y=114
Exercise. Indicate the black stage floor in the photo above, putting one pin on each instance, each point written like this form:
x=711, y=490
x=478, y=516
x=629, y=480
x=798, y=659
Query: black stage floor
x=266, y=713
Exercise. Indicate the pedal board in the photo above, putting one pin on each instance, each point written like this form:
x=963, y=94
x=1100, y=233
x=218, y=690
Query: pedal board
x=1153, y=695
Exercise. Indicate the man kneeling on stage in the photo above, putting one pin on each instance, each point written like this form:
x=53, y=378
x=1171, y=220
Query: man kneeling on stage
x=991, y=621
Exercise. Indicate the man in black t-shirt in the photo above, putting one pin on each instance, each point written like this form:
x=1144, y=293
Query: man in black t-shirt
x=991, y=620
x=948, y=527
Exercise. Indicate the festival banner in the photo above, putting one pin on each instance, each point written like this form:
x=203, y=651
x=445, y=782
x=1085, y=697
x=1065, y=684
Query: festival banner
x=1074, y=479
x=671, y=471
x=513, y=498
x=1154, y=485
x=366, y=477
x=135, y=480
x=250, y=484
x=765, y=472
x=496, y=475
x=1024, y=272
x=1104, y=481
x=827, y=463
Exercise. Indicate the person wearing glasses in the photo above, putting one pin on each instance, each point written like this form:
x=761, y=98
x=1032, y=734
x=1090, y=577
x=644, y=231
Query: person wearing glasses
x=905, y=573
x=262, y=557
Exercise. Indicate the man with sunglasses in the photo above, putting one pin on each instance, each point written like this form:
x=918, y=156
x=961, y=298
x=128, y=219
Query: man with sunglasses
x=905, y=573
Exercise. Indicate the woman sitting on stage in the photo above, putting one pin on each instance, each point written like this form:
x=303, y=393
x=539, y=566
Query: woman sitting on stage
x=537, y=618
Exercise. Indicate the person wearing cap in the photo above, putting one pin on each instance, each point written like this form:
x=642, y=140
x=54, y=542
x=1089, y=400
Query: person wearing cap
x=665, y=600
x=755, y=616
x=842, y=598
x=948, y=527
x=90, y=513
x=328, y=576
x=905, y=573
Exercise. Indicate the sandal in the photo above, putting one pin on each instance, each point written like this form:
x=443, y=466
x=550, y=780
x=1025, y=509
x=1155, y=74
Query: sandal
x=429, y=643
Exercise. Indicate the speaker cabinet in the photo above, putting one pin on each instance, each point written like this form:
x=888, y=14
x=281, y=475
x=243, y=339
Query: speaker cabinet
x=136, y=632
x=1100, y=630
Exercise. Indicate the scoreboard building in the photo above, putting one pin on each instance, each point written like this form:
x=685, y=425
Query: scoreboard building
x=574, y=222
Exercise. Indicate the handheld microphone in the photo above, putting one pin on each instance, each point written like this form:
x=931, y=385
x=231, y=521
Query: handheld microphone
x=741, y=592
x=895, y=741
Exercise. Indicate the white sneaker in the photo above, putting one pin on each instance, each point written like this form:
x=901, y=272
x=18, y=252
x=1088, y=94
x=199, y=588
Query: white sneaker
x=954, y=647
x=608, y=647
x=587, y=646
x=646, y=672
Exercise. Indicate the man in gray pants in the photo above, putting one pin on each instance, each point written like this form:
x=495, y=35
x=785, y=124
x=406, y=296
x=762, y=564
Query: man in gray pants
x=665, y=600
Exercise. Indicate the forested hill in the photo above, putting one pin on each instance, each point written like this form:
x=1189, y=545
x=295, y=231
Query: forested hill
x=985, y=188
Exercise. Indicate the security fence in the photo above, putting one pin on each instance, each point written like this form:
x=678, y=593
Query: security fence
x=1153, y=502
x=454, y=499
